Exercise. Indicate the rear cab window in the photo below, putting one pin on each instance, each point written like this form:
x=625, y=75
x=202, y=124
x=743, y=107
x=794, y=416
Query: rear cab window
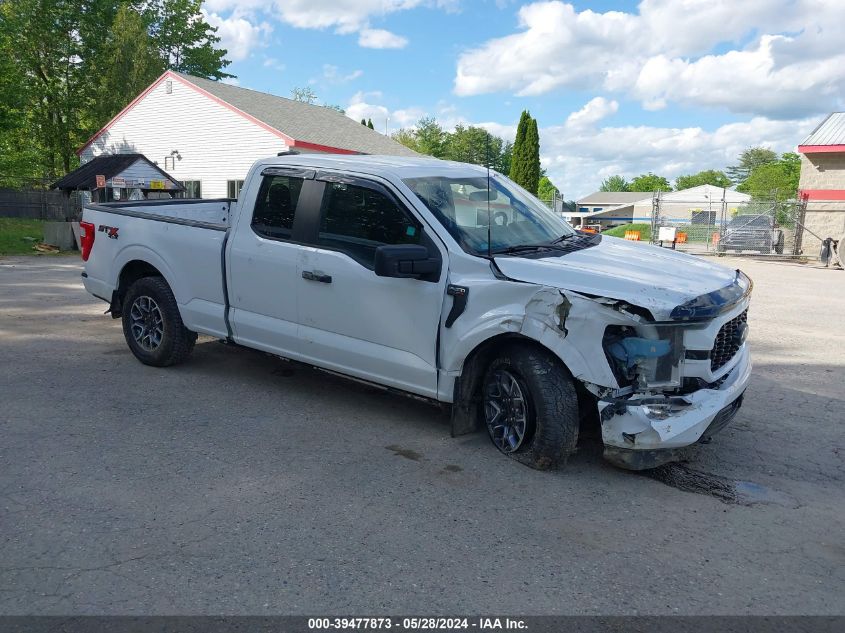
x=275, y=206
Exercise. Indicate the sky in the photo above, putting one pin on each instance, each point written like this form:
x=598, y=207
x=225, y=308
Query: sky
x=664, y=86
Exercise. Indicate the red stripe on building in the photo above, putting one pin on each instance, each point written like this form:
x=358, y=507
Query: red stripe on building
x=820, y=149
x=822, y=194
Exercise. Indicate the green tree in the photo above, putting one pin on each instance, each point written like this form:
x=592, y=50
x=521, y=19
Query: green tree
x=305, y=95
x=546, y=191
x=532, y=140
x=502, y=164
x=518, y=160
x=468, y=144
x=614, y=183
x=748, y=160
x=525, y=164
x=364, y=122
x=431, y=138
x=706, y=177
x=185, y=41
x=649, y=182
x=129, y=63
x=370, y=124
x=67, y=65
x=778, y=180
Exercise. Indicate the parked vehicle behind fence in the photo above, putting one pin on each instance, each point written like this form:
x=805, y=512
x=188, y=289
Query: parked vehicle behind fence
x=752, y=232
x=444, y=281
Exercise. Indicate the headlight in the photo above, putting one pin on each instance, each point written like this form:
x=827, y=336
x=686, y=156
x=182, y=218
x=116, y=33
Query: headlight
x=644, y=361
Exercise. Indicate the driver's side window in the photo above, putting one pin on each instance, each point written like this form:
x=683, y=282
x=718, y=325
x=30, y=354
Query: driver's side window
x=356, y=220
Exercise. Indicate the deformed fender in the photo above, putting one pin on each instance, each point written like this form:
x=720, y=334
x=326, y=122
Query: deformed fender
x=569, y=325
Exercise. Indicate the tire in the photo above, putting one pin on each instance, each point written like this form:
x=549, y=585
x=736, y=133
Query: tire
x=779, y=243
x=152, y=324
x=544, y=397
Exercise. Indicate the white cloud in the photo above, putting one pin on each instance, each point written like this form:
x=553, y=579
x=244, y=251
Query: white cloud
x=379, y=38
x=343, y=16
x=232, y=81
x=579, y=157
x=333, y=75
x=593, y=111
x=238, y=35
x=274, y=63
x=581, y=151
x=360, y=107
x=786, y=59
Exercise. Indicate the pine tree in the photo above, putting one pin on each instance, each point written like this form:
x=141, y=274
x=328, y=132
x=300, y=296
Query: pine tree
x=364, y=122
x=525, y=164
x=532, y=173
x=517, y=171
x=370, y=124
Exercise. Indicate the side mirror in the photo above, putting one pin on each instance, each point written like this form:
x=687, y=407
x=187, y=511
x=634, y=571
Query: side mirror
x=405, y=261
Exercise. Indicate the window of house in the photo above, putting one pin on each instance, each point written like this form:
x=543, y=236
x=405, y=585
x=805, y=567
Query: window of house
x=356, y=220
x=584, y=209
x=233, y=188
x=193, y=188
x=597, y=208
x=275, y=206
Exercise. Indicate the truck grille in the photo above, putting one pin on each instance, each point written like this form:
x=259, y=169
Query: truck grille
x=726, y=347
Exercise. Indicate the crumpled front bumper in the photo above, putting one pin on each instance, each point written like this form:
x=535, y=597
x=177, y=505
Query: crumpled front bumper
x=636, y=441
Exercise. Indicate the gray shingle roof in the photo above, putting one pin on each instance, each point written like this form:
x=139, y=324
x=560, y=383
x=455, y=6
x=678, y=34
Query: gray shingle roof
x=831, y=131
x=302, y=121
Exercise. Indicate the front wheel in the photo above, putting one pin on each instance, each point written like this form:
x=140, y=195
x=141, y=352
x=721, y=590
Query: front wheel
x=530, y=407
x=152, y=324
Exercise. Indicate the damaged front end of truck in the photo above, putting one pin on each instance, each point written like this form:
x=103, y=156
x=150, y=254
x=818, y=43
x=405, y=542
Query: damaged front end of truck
x=677, y=376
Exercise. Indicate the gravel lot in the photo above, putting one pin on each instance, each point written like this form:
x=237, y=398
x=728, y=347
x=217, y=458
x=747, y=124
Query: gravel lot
x=237, y=484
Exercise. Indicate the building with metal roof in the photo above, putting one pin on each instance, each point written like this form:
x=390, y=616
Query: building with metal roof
x=822, y=183
x=207, y=134
x=119, y=177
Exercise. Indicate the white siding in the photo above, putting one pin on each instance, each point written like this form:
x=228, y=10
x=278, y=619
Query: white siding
x=216, y=143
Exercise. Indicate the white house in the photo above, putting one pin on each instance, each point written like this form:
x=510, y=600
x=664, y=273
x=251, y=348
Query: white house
x=207, y=134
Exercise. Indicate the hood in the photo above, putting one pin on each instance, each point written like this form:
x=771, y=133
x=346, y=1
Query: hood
x=658, y=279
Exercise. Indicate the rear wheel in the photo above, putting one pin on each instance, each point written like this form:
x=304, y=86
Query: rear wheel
x=530, y=407
x=152, y=324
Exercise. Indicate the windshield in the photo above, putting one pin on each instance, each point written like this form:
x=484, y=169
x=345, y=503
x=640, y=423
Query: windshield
x=461, y=205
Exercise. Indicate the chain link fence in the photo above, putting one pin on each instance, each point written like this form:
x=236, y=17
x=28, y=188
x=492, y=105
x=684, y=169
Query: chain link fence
x=763, y=225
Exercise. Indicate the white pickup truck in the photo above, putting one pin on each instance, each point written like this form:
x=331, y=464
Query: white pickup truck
x=444, y=281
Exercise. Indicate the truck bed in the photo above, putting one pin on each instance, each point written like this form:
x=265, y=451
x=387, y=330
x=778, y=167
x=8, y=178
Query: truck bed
x=182, y=239
x=211, y=213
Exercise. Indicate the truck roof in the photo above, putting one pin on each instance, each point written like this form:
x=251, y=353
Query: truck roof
x=399, y=166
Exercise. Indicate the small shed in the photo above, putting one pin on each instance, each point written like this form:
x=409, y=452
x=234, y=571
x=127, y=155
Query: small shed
x=113, y=177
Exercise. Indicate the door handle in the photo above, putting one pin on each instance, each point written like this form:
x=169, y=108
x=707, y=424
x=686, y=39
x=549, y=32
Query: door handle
x=312, y=276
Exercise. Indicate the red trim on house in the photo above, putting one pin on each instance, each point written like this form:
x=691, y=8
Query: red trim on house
x=820, y=149
x=290, y=141
x=125, y=110
x=822, y=194
x=322, y=148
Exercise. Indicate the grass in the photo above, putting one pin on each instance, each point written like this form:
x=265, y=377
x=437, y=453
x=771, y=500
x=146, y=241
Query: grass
x=619, y=231
x=13, y=234
x=19, y=235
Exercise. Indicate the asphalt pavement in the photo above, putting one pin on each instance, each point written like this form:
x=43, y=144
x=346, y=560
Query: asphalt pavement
x=240, y=484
